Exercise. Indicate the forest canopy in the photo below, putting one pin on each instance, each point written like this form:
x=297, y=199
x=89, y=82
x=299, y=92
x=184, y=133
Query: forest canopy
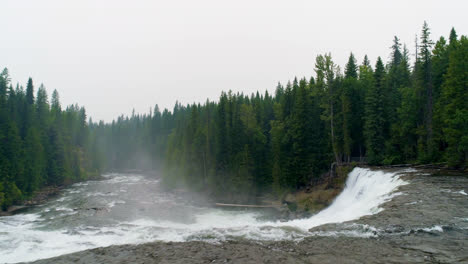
x=41, y=144
x=242, y=146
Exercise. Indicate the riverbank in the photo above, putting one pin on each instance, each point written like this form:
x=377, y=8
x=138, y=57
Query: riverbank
x=384, y=249
x=317, y=195
x=427, y=222
x=39, y=197
x=311, y=250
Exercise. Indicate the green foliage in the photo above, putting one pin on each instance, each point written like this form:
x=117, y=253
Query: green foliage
x=39, y=144
x=454, y=104
x=2, y=197
x=244, y=146
x=375, y=119
x=11, y=194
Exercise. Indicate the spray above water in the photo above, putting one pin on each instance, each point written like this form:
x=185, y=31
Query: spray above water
x=137, y=212
x=364, y=192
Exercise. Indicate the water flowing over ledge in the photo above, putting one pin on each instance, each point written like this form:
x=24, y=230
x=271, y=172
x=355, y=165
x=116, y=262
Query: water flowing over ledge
x=71, y=222
x=364, y=192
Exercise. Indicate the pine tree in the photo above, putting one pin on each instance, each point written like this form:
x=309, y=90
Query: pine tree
x=351, y=68
x=30, y=92
x=349, y=100
x=300, y=136
x=396, y=55
x=426, y=146
x=455, y=104
x=374, y=124
x=325, y=70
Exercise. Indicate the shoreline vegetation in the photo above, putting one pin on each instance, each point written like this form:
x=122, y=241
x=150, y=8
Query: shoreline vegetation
x=39, y=197
x=243, y=148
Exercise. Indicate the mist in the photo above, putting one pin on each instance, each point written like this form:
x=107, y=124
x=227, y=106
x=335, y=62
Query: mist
x=247, y=132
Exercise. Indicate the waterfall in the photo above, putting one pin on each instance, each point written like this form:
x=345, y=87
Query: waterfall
x=364, y=192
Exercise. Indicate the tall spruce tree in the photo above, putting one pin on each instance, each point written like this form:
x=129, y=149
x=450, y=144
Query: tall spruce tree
x=375, y=119
x=455, y=104
x=424, y=85
x=325, y=69
x=349, y=99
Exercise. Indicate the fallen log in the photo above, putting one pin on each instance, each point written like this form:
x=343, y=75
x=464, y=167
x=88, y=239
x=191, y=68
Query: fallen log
x=399, y=165
x=248, y=205
x=441, y=165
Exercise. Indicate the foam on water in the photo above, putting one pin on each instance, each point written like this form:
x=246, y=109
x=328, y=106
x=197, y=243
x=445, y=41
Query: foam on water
x=462, y=192
x=365, y=190
x=27, y=237
x=437, y=228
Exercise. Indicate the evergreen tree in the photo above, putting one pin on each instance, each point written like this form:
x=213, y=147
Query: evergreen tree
x=350, y=100
x=374, y=124
x=351, y=68
x=424, y=86
x=455, y=105
x=325, y=70
x=241, y=147
x=30, y=92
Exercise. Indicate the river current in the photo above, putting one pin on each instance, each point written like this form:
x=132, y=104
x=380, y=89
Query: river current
x=133, y=209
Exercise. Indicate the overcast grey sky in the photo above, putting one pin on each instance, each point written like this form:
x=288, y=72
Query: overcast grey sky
x=112, y=56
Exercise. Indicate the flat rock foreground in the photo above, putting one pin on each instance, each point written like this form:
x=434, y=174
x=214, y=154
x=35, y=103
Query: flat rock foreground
x=311, y=250
x=426, y=223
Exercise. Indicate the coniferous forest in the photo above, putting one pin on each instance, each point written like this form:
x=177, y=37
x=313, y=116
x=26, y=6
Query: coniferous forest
x=41, y=144
x=242, y=146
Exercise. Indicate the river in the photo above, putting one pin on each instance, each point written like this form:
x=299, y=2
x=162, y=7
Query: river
x=406, y=209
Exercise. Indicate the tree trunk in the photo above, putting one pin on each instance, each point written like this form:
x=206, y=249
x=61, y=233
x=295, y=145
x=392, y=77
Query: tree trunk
x=429, y=109
x=333, y=134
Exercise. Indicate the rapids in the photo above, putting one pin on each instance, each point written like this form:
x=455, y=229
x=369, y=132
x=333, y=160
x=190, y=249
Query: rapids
x=132, y=209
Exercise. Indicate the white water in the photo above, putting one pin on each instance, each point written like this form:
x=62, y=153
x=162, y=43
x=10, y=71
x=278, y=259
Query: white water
x=365, y=190
x=57, y=228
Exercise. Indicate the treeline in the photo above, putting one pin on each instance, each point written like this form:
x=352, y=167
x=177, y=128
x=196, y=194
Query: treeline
x=40, y=144
x=383, y=114
x=243, y=146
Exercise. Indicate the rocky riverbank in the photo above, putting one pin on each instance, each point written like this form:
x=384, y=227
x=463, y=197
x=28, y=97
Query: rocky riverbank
x=427, y=223
x=385, y=249
x=39, y=197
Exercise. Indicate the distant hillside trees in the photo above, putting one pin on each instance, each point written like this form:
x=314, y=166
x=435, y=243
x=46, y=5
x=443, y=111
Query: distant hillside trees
x=243, y=146
x=40, y=144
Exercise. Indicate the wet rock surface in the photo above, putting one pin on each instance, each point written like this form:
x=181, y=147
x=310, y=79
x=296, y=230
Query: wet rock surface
x=427, y=223
x=311, y=250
